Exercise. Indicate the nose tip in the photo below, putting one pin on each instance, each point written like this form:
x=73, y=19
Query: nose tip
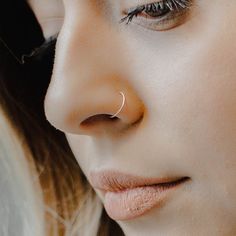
x=97, y=112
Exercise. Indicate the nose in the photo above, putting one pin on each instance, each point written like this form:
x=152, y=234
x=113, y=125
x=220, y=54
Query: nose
x=91, y=92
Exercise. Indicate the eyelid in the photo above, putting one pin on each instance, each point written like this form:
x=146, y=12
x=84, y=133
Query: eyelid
x=136, y=3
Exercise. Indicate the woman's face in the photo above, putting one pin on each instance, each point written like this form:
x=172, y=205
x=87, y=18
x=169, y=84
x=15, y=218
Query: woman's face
x=176, y=67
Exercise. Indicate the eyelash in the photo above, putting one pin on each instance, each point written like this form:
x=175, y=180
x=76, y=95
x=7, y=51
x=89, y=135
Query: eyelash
x=162, y=7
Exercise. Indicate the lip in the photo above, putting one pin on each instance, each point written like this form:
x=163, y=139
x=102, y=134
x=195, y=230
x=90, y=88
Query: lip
x=127, y=197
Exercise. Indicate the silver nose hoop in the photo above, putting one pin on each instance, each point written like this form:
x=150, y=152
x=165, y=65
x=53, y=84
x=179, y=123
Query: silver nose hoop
x=121, y=106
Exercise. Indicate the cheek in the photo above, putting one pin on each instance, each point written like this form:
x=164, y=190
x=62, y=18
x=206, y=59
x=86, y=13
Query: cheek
x=191, y=84
x=191, y=98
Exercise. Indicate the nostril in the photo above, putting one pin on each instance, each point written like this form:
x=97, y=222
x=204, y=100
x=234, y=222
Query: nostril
x=100, y=118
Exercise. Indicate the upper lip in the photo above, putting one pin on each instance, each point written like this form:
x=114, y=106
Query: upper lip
x=114, y=181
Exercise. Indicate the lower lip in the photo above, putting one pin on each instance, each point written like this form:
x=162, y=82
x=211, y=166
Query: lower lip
x=132, y=203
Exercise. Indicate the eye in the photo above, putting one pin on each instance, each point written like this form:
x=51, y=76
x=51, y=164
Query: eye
x=159, y=16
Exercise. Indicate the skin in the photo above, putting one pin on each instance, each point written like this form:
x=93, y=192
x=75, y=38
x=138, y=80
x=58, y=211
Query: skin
x=180, y=111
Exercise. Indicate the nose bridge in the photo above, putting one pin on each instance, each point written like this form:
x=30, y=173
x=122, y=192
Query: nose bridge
x=88, y=31
x=87, y=44
x=89, y=75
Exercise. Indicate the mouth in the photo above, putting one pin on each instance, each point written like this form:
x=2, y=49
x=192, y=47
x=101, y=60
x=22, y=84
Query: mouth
x=127, y=197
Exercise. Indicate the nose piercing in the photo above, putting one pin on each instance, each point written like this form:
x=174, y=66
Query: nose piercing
x=121, y=107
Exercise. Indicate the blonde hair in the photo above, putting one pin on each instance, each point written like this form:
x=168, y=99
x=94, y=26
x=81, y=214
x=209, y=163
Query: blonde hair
x=29, y=205
x=43, y=197
x=20, y=212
